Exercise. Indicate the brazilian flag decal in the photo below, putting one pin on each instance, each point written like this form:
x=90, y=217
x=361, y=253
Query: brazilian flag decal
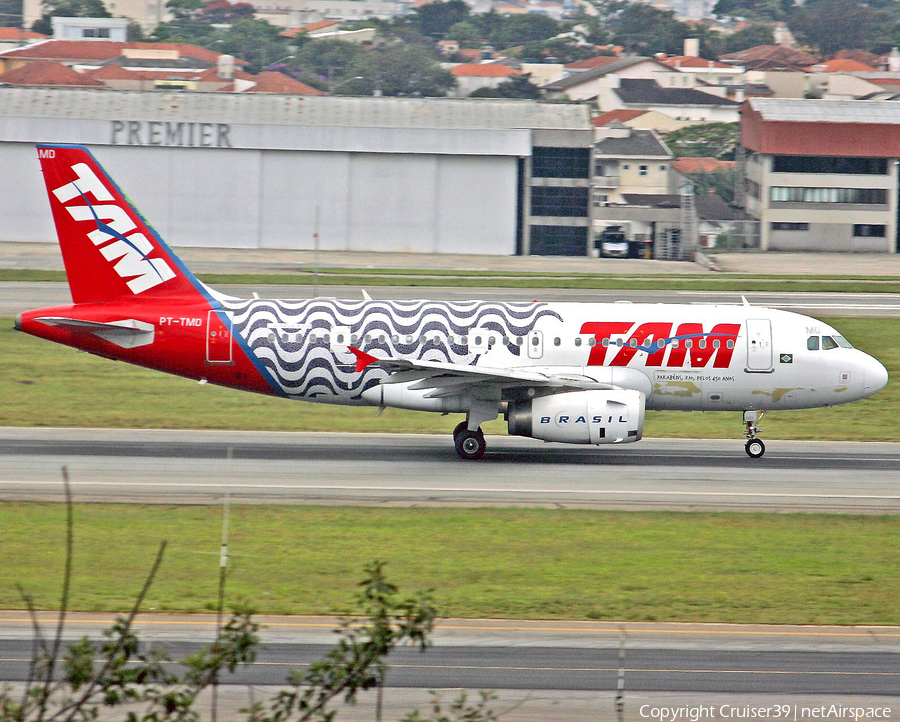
x=786, y=358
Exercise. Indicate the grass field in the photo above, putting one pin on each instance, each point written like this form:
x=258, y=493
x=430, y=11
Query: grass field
x=363, y=278
x=754, y=568
x=43, y=384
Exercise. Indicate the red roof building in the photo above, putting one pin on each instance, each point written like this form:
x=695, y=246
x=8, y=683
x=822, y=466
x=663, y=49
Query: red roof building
x=622, y=115
x=272, y=82
x=770, y=57
x=840, y=65
x=702, y=165
x=92, y=52
x=48, y=74
x=590, y=63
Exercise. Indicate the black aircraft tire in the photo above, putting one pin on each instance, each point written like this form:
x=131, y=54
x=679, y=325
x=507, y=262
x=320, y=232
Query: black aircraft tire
x=755, y=448
x=470, y=445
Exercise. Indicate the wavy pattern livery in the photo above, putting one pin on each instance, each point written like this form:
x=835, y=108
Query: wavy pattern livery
x=289, y=337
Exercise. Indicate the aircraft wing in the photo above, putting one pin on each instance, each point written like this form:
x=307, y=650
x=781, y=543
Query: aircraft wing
x=444, y=378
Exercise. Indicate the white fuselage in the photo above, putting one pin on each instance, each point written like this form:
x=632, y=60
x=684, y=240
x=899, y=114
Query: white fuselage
x=681, y=357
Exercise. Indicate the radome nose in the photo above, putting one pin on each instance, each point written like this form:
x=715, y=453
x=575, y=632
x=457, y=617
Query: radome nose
x=876, y=375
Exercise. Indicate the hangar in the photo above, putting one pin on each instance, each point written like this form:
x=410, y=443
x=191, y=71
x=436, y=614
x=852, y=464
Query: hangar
x=281, y=171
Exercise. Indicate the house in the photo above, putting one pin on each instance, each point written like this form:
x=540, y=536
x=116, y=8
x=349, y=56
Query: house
x=585, y=84
x=472, y=76
x=627, y=160
x=16, y=38
x=640, y=119
x=48, y=75
x=91, y=54
x=685, y=104
x=770, y=57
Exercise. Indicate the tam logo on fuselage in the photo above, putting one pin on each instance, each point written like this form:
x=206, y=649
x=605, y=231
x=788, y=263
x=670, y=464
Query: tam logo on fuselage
x=115, y=235
x=689, y=343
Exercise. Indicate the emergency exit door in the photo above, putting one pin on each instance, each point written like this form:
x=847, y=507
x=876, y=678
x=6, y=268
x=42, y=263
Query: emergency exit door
x=218, y=337
x=759, y=345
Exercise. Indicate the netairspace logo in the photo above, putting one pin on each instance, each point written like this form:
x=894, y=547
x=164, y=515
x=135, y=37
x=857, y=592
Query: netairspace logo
x=113, y=223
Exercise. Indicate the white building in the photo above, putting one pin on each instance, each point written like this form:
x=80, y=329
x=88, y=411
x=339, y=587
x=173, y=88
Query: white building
x=269, y=171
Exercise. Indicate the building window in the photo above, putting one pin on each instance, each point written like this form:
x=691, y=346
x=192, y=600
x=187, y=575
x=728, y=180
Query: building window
x=858, y=196
x=789, y=226
x=642, y=170
x=600, y=200
x=560, y=162
x=662, y=168
x=753, y=189
x=868, y=230
x=828, y=164
x=559, y=241
x=626, y=166
x=556, y=201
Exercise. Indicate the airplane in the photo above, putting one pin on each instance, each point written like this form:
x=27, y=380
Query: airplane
x=579, y=373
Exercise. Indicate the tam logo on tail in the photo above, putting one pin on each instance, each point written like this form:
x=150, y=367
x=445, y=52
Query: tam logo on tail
x=115, y=234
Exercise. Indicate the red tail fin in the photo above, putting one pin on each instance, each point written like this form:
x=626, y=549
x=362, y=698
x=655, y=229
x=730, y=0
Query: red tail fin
x=109, y=250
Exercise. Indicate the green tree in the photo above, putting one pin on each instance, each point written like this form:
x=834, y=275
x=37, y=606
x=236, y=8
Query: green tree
x=521, y=29
x=749, y=37
x=68, y=9
x=436, y=18
x=707, y=140
x=408, y=69
x=833, y=25
x=466, y=33
x=564, y=50
x=256, y=41
x=327, y=60
x=719, y=181
x=518, y=86
x=756, y=10
x=645, y=30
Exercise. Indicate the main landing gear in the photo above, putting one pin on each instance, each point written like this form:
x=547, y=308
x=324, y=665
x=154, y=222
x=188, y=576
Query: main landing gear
x=754, y=447
x=469, y=444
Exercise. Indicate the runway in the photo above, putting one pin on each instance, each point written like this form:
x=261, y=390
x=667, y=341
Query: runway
x=16, y=297
x=566, y=667
x=201, y=467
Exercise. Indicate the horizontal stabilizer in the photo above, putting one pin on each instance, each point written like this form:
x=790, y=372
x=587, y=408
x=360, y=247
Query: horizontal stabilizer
x=128, y=333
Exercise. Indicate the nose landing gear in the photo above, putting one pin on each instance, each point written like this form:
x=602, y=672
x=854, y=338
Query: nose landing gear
x=754, y=447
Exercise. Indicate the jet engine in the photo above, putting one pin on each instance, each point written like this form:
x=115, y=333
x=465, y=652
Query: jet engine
x=580, y=417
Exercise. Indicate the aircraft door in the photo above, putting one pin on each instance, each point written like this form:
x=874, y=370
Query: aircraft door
x=535, y=344
x=759, y=345
x=218, y=338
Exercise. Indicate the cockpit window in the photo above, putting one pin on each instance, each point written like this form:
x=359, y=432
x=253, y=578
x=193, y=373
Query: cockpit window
x=842, y=342
x=812, y=343
x=828, y=343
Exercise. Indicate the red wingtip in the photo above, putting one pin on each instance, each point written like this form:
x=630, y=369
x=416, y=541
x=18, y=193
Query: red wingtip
x=362, y=358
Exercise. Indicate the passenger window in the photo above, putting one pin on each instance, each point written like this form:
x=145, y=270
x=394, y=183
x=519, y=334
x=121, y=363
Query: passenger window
x=716, y=343
x=605, y=343
x=812, y=343
x=729, y=343
x=354, y=338
x=633, y=343
x=326, y=338
x=578, y=340
x=556, y=341
x=702, y=343
x=592, y=341
x=478, y=340
x=675, y=343
x=619, y=342
x=520, y=341
x=828, y=343
x=688, y=343
x=409, y=339
x=464, y=340
x=492, y=340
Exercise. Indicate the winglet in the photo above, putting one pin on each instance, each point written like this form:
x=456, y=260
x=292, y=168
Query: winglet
x=744, y=301
x=365, y=295
x=362, y=358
